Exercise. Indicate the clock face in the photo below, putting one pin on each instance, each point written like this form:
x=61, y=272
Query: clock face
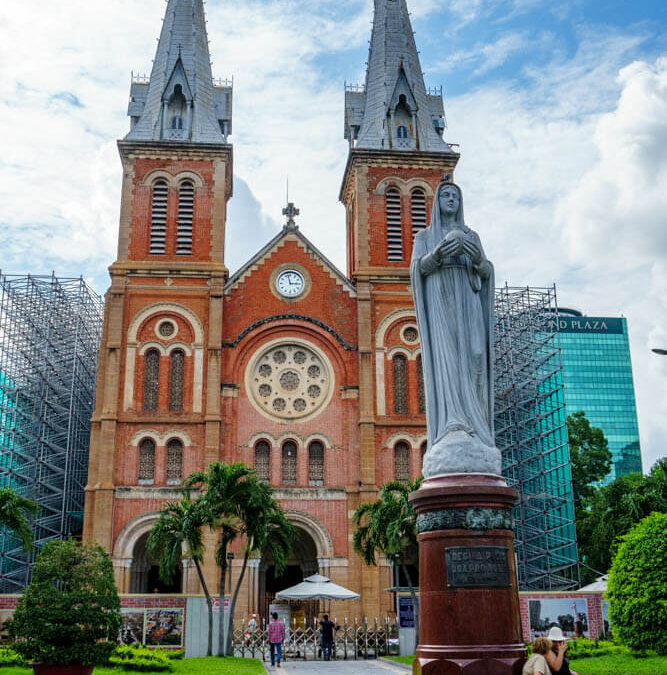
x=290, y=283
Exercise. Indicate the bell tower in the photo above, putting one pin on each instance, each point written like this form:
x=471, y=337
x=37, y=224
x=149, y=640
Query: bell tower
x=158, y=409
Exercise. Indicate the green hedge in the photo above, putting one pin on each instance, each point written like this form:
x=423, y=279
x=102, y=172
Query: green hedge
x=8, y=657
x=142, y=659
x=584, y=648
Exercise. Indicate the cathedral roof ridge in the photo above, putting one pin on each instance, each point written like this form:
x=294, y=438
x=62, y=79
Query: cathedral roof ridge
x=284, y=234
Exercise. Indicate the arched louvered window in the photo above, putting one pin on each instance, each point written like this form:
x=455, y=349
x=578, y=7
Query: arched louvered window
x=151, y=379
x=400, y=384
x=316, y=463
x=421, y=397
x=402, y=131
x=418, y=211
x=263, y=460
x=186, y=205
x=174, y=462
x=146, y=462
x=159, y=218
x=289, y=463
x=402, y=462
x=394, y=232
x=176, y=379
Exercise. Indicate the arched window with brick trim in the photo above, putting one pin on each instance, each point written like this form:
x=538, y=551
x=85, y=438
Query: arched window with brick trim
x=316, y=463
x=160, y=196
x=176, y=379
x=174, y=462
x=263, y=460
x=394, y=226
x=417, y=211
x=421, y=396
x=289, y=463
x=186, y=206
x=400, y=366
x=151, y=379
x=402, y=462
x=147, y=462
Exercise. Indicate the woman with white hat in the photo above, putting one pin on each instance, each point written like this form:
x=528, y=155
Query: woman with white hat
x=556, y=658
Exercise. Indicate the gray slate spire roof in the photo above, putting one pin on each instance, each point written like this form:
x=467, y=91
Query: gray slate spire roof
x=394, y=111
x=180, y=101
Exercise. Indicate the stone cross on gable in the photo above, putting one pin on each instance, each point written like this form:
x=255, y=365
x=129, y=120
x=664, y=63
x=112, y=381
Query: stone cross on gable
x=290, y=211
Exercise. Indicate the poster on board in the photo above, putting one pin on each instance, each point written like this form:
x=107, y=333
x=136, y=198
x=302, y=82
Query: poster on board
x=131, y=627
x=571, y=614
x=164, y=627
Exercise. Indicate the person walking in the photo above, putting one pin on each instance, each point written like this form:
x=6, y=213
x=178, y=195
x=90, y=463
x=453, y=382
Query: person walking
x=326, y=637
x=276, y=637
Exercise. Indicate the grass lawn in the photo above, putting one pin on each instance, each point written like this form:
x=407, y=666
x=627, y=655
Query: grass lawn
x=226, y=666
x=611, y=664
x=620, y=664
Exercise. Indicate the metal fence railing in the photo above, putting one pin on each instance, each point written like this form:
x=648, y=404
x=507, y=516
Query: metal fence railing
x=352, y=640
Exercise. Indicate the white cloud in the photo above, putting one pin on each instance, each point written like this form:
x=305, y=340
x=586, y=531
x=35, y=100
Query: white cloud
x=571, y=187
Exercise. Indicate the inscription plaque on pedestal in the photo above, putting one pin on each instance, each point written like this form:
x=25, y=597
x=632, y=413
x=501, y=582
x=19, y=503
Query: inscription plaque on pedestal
x=477, y=566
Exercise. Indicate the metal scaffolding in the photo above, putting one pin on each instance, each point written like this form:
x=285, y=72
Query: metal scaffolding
x=50, y=331
x=531, y=432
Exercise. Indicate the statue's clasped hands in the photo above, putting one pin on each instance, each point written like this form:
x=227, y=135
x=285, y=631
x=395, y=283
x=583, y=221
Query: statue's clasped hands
x=456, y=243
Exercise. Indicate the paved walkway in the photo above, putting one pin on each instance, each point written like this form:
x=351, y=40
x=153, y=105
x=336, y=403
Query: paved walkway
x=373, y=667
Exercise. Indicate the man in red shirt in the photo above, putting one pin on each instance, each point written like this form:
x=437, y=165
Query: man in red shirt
x=276, y=637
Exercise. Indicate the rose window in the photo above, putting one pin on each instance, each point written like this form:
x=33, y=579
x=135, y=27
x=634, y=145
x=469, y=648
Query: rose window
x=410, y=335
x=289, y=381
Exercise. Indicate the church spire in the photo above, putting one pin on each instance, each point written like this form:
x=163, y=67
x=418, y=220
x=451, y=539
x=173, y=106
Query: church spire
x=394, y=111
x=180, y=101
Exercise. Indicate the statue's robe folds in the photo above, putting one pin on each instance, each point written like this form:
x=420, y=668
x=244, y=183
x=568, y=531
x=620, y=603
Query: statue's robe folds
x=454, y=301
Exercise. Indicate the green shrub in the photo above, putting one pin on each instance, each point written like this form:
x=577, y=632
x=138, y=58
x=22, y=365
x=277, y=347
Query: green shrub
x=583, y=648
x=8, y=657
x=140, y=659
x=637, y=586
x=70, y=612
x=175, y=654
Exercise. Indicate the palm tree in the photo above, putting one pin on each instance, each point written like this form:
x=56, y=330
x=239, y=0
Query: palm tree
x=389, y=526
x=266, y=528
x=225, y=504
x=175, y=535
x=14, y=510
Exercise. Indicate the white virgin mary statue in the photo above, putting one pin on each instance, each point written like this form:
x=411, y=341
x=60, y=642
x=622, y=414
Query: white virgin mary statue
x=453, y=289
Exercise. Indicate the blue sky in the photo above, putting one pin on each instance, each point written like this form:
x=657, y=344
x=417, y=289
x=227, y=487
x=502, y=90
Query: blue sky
x=560, y=109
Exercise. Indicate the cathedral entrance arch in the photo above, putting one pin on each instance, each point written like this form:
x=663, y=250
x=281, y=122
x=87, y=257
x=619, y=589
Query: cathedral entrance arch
x=145, y=572
x=311, y=550
x=140, y=572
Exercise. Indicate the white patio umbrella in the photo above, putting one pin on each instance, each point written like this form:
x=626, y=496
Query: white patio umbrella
x=317, y=587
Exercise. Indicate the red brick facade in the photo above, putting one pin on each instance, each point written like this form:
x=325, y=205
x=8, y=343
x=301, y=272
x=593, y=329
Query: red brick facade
x=351, y=327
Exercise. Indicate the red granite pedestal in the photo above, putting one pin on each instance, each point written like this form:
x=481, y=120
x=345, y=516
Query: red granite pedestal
x=469, y=620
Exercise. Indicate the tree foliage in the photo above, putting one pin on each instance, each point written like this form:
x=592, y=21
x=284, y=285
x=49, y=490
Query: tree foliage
x=589, y=456
x=637, y=586
x=613, y=510
x=389, y=526
x=70, y=612
x=14, y=512
x=235, y=503
x=175, y=535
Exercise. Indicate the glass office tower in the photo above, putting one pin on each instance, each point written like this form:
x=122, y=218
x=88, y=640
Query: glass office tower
x=597, y=374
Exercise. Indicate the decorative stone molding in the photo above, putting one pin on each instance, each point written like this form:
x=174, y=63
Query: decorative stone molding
x=314, y=494
x=480, y=519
